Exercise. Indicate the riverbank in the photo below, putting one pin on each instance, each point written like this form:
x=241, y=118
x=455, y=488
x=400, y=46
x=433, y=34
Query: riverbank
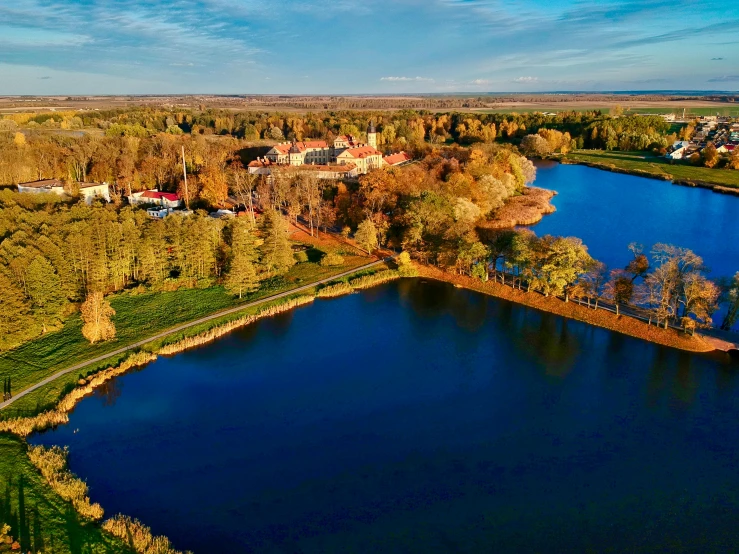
x=641, y=164
x=601, y=318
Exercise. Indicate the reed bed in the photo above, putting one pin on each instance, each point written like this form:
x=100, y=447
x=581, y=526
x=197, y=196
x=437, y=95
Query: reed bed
x=368, y=281
x=138, y=536
x=527, y=209
x=216, y=332
x=52, y=463
x=338, y=289
x=24, y=426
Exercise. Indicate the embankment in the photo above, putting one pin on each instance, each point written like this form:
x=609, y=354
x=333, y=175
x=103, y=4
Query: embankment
x=572, y=310
x=696, y=183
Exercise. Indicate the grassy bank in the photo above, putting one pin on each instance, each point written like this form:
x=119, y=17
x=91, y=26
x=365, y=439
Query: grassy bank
x=572, y=310
x=49, y=522
x=648, y=165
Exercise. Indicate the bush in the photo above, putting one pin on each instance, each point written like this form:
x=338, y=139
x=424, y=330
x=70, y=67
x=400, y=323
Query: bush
x=301, y=257
x=332, y=259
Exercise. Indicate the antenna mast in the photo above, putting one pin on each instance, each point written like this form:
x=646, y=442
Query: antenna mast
x=184, y=172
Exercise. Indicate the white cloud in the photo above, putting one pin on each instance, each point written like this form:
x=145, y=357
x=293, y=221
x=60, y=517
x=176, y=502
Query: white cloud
x=480, y=82
x=406, y=79
x=525, y=79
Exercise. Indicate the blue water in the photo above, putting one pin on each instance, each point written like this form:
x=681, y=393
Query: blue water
x=610, y=210
x=417, y=417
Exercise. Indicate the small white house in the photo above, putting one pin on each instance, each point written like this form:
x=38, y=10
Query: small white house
x=90, y=191
x=164, y=199
x=677, y=150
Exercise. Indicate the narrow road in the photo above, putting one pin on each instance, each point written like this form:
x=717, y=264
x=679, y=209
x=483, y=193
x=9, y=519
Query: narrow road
x=182, y=327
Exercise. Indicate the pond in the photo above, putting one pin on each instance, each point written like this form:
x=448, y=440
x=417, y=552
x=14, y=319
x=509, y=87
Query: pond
x=610, y=210
x=418, y=417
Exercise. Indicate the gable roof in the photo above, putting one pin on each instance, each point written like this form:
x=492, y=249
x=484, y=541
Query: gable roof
x=359, y=152
x=395, y=159
x=156, y=195
x=285, y=147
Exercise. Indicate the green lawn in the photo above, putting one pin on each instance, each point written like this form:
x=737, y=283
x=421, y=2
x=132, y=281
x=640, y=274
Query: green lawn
x=657, y=166
x=137, y=317
x=49, y=521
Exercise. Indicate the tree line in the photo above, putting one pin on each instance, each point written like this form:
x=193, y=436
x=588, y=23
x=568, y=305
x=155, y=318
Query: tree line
x=56, y=255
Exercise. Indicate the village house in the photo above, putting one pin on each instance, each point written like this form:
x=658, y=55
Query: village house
x=155, y=198
x=87, y=191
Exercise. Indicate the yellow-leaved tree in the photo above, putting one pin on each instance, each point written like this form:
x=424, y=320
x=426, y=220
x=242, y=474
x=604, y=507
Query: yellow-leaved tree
x=96, y=314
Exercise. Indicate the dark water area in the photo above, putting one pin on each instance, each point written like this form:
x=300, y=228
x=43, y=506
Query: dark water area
x=417, y=417
x=610, y=210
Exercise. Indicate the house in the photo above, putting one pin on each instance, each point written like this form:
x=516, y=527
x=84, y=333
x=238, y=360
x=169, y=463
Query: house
x=365, y=158
x=90, y=191
x=677, y=150
x=726, y=149
x=87, y=191
x=265, y=167
x=155, y=197
x=396, y=159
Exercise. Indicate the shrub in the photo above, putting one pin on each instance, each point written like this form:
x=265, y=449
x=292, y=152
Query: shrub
x=301, y=257
x=332, y=259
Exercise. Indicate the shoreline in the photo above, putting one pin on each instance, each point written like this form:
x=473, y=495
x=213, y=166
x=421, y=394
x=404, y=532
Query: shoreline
x=694, y=183
x=572, y=310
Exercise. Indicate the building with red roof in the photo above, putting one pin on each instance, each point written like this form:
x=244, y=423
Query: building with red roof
x=155, y=198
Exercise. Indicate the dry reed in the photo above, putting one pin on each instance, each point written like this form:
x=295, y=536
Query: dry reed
x=526, y=209
x=52, y=463
x=216, y=332
x=367, y=281
x=24, y=426
x=138, y=536
x=338, y=289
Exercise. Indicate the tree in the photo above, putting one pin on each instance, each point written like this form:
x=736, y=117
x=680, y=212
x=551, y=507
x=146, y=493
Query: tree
x=710, y=155
x=535, y=145
x=96, y=314
x=45, y=290
x=242, y=274
x=366, y=235
x=277, y=254
x=619, y=288
x=16, y=323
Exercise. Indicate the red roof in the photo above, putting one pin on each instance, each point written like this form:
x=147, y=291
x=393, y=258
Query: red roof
x=172, y=197
x=395, y=159
x=361, y=152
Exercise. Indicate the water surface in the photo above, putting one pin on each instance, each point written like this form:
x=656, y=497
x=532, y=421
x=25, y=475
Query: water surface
x=610, y=210
x=416, y=417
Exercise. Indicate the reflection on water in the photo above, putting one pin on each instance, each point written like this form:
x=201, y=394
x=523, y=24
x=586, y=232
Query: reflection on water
x=417, y=417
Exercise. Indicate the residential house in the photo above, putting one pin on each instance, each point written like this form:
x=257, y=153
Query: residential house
x=156, y=198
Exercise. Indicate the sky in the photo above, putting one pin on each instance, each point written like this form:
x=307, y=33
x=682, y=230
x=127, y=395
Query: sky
x=52, y=47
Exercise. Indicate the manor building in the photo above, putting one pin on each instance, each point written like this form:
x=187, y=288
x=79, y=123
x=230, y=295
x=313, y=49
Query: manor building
x=346, y=150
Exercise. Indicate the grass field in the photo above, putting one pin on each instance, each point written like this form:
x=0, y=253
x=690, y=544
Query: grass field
x=137, y=317
x=690, y=111
x=655, y=165
x=50, y=522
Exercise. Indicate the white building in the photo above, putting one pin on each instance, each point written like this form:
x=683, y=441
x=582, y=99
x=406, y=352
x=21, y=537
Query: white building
x=156, y=198
x=677, y=150
x=87, y=191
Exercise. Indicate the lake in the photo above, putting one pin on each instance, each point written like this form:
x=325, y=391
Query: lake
x=610, y=210
x=418, y=417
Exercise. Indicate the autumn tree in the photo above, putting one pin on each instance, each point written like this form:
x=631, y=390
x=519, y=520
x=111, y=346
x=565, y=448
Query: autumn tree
x=366, y=235
x=731, y=299
x=96, y=316
x=277, y=254
x=242, y=274
x=45, y=290
x=619, y=288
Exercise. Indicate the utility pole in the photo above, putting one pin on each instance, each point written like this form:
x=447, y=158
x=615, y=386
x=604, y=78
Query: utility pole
x=184, y=172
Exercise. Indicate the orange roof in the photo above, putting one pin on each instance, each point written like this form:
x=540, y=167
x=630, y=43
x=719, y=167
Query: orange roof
x=360, y=152
x=345, y=168
x=395, y=159
x=284, y=148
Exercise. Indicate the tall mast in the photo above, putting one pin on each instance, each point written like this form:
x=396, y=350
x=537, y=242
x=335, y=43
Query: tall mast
x=184, y=172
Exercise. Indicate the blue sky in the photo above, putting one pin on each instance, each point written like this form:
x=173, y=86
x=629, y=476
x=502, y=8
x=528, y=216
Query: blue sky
x=365, y=46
